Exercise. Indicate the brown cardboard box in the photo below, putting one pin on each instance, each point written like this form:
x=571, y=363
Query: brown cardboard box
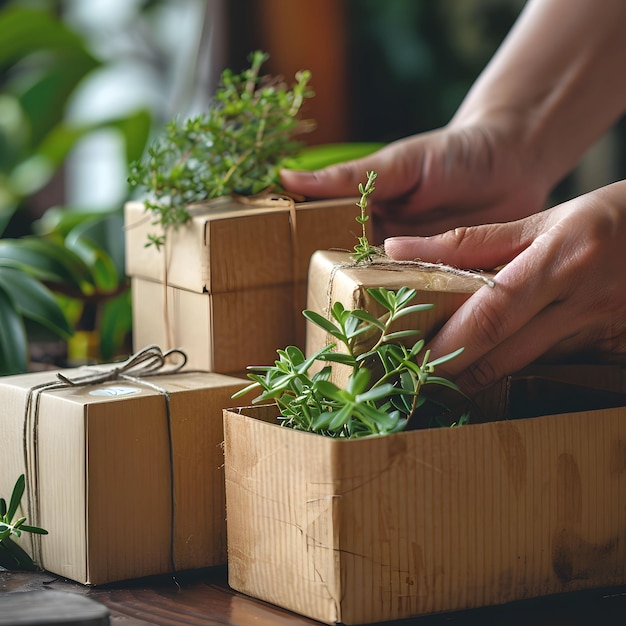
x=229, y=246
x=427, y=521
x=222, y=332
x=99, y=474
x=251, y=259
x=333, y=277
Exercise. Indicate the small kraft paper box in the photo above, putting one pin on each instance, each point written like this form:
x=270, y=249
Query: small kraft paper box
x=230, y=247
x=333, y=277
x=222, y=332
x=125, y=476
x=428, y=521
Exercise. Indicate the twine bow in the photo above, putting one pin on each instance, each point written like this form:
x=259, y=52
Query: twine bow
x=149, y=361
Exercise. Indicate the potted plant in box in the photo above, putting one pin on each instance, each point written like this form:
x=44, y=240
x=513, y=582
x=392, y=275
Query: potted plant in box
x=384, y=387
x=236, y=148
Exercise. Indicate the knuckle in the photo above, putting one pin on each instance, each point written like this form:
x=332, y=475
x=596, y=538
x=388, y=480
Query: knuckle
x=478, y=376
x=488, y=324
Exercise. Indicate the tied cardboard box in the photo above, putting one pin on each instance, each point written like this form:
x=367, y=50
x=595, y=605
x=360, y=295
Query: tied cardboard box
x=102, y=481
x=333, y=277
x=428, y=521
x=229, y=247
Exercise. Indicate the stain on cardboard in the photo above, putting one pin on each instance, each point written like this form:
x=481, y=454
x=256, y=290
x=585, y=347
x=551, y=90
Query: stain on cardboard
x=514, y=454
x=574, y=558
x=618, y=457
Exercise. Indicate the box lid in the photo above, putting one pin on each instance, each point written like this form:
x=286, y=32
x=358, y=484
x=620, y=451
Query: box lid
x=231, y=245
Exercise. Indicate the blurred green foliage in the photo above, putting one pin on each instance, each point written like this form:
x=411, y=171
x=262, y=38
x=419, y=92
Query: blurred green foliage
x=53, y=269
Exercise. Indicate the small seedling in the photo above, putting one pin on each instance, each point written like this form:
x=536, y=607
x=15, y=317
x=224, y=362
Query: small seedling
x=12, y=556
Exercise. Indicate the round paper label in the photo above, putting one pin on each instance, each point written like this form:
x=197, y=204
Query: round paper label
x=118, y=390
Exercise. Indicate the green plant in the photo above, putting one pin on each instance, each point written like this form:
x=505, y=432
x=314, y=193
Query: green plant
x=236, y=147
x=383, y=389
x=51, y=282
x=364, y=252
x=12, y=556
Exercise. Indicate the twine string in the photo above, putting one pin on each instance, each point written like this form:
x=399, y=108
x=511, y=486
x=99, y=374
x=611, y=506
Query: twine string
x=150, y=361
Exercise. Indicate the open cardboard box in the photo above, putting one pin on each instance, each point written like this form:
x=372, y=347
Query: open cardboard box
x=434, y=520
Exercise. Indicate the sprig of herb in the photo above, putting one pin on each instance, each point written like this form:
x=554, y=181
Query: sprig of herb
x=237, y=146
x=12, y=556
x=364, y=251
x=384, y=387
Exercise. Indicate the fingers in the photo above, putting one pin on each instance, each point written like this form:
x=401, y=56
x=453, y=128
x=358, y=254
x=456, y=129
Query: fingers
x=396, y=167
x=336, y=181
x=504, y=328
x=475, y=247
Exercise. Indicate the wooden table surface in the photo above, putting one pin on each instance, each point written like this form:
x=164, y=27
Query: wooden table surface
x=204, y=598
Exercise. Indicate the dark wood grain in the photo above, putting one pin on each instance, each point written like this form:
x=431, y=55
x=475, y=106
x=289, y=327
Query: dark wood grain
x=204, y=599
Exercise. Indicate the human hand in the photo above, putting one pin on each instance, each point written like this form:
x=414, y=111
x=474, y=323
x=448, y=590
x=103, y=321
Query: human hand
x=562, y=291
x=429, y=183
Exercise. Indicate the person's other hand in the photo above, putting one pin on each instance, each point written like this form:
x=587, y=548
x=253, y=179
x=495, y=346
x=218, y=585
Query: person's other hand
x=455, y=176
x=562, y=291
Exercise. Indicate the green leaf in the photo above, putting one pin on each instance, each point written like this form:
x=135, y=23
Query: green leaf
x=103, y=271
x=339, y=357
x=330, y=390
x=400, y=334
x=445, y=358
x=34, y=301
x=16, y=496
x=317, y=157
x=366, y=316
x=376, y=393
x=48, y=260
x=24, y=31
x=322, y=322
x=13, y=556
x=415, y=308
x=382, y=296
x=116, y=323
x=341, y=417
x=13, y=340
x=35, y=530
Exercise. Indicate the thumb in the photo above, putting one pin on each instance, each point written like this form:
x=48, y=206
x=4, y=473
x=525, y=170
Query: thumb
x=475, y=247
